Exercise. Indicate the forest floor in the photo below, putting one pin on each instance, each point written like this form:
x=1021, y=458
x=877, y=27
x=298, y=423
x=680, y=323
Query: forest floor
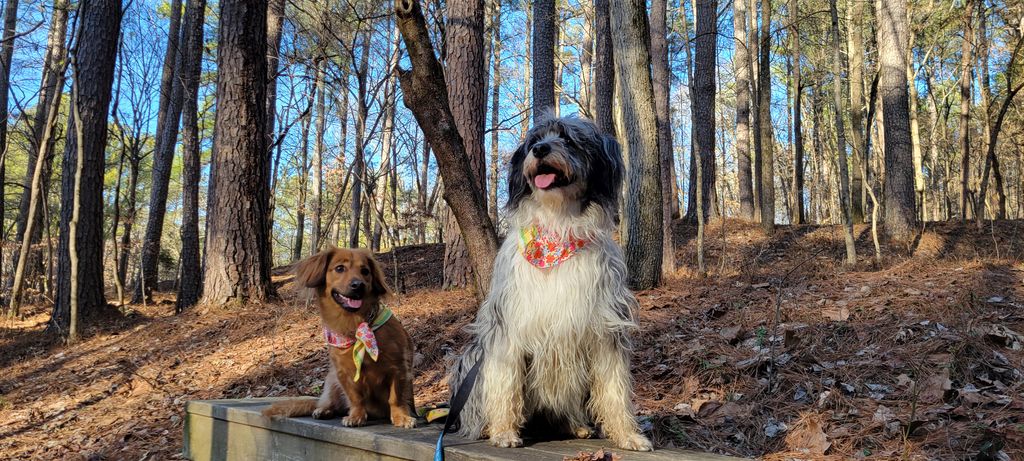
x=918, y=357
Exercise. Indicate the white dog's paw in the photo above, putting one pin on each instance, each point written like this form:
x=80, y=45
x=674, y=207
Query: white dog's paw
x=583, y=432
x=508, y=439
x=635, y=442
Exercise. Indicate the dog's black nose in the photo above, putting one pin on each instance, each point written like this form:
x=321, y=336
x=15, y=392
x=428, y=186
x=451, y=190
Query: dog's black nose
x=357, y=285
x=541, y=151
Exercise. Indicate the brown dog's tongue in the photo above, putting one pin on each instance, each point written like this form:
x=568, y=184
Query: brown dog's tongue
x=544, y=181
x=356, y=303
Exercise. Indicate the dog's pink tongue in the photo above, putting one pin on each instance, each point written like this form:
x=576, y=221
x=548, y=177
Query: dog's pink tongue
x=356, y=303
x=544, y=181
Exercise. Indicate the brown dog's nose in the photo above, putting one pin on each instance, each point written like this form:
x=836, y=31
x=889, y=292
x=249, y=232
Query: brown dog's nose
x=357, y=285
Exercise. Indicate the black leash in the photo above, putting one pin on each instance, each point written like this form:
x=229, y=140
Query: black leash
x=457, y=403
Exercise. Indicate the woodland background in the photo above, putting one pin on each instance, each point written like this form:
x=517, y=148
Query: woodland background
x=853, y=156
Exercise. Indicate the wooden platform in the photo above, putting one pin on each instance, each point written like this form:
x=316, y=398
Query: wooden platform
x=235, y=430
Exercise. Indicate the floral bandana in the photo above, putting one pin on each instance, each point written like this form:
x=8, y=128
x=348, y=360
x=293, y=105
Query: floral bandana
x=363, y=342
x=545, y=249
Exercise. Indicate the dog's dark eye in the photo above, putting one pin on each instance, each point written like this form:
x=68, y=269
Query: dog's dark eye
x=339, y=268
x=365, y=272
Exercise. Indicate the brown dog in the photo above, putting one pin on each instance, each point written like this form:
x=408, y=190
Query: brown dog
x=350, y=287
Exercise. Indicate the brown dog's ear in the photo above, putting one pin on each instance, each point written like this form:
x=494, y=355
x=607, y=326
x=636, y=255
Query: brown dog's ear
x=312, y=271
x=379, y=285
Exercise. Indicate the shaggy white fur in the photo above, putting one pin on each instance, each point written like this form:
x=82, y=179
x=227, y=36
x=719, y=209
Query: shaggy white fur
x=554, y=342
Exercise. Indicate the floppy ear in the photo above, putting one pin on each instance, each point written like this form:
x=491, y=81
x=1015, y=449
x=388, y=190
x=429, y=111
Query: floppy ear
x=605, y=180
x=518, y=188
x=312, y=271
x=378, y=285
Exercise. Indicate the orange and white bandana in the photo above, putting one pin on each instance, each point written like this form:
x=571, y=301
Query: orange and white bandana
x=545, y=250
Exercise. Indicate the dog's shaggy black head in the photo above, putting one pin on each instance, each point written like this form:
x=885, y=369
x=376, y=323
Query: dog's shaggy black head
x=570, y=157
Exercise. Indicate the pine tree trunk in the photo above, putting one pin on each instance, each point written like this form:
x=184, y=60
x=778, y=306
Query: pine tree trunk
x=842, y=160
x=303, y=175
x=318, y=158
x=496, y=82
x=545, y=33
x=82, y=213
x=424, y=92
x=741, y=66
x=190, y=286
x=359, y=163
x=6, y=53
x=163, y=160
x=661, y=75
x=893, y=38
x=467, y=92
x=643, y=211
x=966, y=59
x=764, y=85
x=799, y=215
x=604, y=68
x=855, y=44
x=237, y=265
x=54, y=67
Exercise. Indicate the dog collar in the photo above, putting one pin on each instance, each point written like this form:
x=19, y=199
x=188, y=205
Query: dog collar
x=364, y=341
x=545, y=249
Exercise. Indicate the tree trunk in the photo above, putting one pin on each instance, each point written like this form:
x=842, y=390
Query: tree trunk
x=496, y=81
x=237, y=265
x=764, y=86
x=799, y=215
x=275, y=21
x=915, y=129
x=163, y=160
x=662, y=76
x=604, y=68
x=841, y=160
x=80, y=256
x=741, y=66
x=704, y=91
x=643, y=211
x=545, y=33
x=467, y=92
x=900, y=212
x=753, y=47
x=359, y=162
x=303, y=175
x=966, y=58
x=190, y=285
x=6, y=53
x=318, y=158
x=54, y=67
x=425, y=94
x=35, y=197
x=586, y=98
x=855, y=44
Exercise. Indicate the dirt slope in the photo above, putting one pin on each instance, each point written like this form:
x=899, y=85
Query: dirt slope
x=917, y=357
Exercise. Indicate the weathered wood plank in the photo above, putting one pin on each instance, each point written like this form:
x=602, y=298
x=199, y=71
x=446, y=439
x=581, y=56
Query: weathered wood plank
x=223, y=430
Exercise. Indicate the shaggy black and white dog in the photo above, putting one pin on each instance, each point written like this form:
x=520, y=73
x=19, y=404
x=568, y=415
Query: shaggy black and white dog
x=553, y=333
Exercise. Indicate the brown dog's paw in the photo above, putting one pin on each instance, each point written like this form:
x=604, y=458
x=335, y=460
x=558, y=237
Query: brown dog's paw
x=354, y=419
x=507, y=439
x=403, y=420
x=323, y=413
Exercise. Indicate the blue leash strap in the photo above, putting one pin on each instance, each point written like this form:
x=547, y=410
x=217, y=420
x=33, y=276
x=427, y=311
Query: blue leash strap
x=457, y=403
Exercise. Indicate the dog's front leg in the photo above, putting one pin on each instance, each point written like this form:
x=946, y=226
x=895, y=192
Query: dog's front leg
x=611, y=396
x=503, y=375
x=401, y=401
x=331, y=398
